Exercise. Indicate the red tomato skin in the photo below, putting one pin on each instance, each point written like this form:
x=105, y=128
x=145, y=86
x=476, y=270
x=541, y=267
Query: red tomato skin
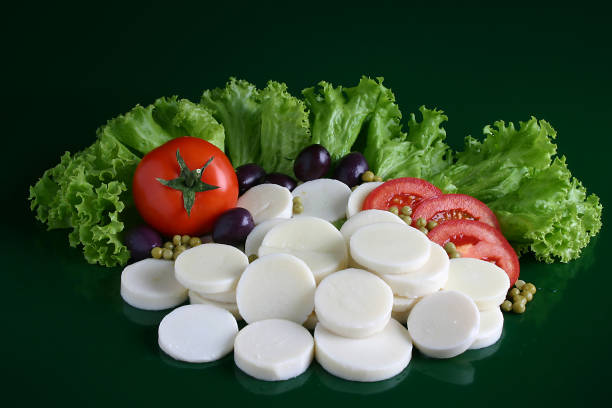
x=475, y=239
x=497, y=254
x=162, y=207
x=468, y=207
x=410, y=191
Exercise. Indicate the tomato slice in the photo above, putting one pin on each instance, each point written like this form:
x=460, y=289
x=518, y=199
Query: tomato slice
x=475, y=239
x=400, y=192
x=454, y=207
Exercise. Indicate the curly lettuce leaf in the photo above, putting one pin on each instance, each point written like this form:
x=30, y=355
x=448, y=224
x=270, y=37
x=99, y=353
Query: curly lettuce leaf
x=90, y=190
x=338, y=114
x=238, y=108
x=285, y=129
x=540, y=206
x=181, y=117
x=268, y=126
x=87, y=192
x=384, y=129
x=490, y=169
x=145, y=128
x=549, y=214
x=420, y=153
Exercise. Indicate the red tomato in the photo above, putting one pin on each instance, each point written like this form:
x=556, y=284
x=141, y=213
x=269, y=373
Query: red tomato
x=454, y=207
x=475, y=239
x=405, y=191
x=162, y=206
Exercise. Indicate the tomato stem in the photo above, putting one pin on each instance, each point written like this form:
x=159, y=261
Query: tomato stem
x=189, y=182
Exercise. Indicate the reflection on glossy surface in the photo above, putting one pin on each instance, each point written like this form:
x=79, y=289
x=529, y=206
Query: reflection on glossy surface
x=452, y=371
x=261, y=387
x=561, y=272
x=480, y=354
x=92, y=282
x=229, y=359
x=457, y=370
x=355, y=387
x=552, y=281
x=144, y=317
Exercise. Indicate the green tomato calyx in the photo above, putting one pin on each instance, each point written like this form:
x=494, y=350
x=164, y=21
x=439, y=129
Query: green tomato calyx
x=189, y=182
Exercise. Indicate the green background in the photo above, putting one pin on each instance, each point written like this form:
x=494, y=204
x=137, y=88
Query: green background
x=67, y=338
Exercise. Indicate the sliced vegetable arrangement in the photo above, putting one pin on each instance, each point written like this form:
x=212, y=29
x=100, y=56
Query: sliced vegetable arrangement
x=540, y=207
x=370, y=291
x=386, y=240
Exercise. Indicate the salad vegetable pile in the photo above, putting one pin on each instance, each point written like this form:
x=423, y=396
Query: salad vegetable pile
x=89, y=191
x=514, y=171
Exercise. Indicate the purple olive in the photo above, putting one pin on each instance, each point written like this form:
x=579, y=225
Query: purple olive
x=281, y=179
x=233, y=226
x=140, y=240
x=312, y=163
x=249, y=175
x=350, y=168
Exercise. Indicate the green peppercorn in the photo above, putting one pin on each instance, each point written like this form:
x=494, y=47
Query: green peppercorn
x=519, y=283
x=527, y=295
x=195, y=241
x=424, y=230
x=506, y=306
x=176, y=240
x=297, y=200
x=378, y=178
x=367, y=176
x=519, y=299
x=252, y=257
x=406, y=210
x=167, y=253
x=529, y=287
x=518, y=307
x=394, y=210
x=406, y=219
x=451, y=250
x=168, y=245
x=421, y=222
x=513, y=292
x=185, y=239
x=156, y=252
x=298, y=208
x=431, y=225
x=177, y=251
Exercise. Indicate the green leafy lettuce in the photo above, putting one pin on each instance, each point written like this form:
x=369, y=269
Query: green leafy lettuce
x=550, y=214
x=238, y=108
x=89, y=191
x=267, y=126
x=285, y=129
x=540, y=206
x=420, y=153
x=341, y=116
x=338, y=114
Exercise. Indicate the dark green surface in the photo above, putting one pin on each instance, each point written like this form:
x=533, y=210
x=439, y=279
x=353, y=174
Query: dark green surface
x=68, y=339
